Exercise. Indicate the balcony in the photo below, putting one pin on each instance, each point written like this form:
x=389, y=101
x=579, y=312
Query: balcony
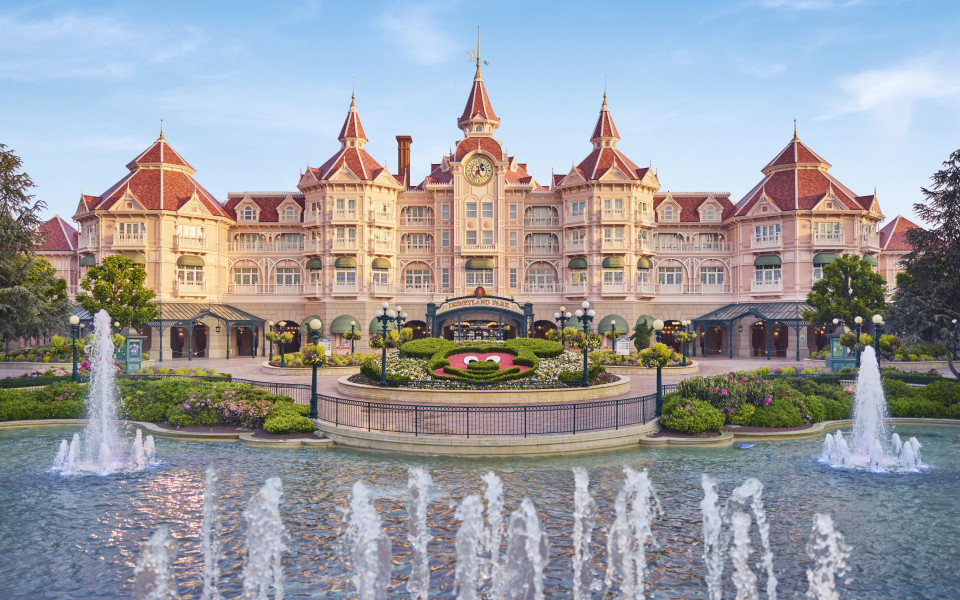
x=645, y=288
x=345, y=214
x=417, y=288
x=542, y=288
x=381, y=290
x=189, y=288
x=261, y=289
x=313, y=247
x=670, y=289
x=417, y=248
x=578, y=288
x=190, y=242
x=614, y=213
x=644, y=246
x=766, y=242
x=129, y=239
x=668, y=246
x=481, y=249
x=871, y=241
x=87, y=241
x=345, y=244
x=766, y=287
x=416, y=221
x=575, y=245
x=614, y=244
x=706, y=247
x=576, y=217
x=384, y=218
x=551, y=222
x=312, y=216
x=266, y=247
x=249, y=289
x=384, y=245
x=542, y=248
x=708, y=288
x=828, y=240
x=345, y=288
x=613, y=287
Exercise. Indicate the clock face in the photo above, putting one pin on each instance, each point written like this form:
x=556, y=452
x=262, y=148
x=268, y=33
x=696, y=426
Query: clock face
x=478, y=170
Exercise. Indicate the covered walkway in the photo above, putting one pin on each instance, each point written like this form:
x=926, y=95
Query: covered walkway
x=769, y=329
x=185, y=322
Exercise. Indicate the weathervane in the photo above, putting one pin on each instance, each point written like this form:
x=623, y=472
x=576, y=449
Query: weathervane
x=476, y=57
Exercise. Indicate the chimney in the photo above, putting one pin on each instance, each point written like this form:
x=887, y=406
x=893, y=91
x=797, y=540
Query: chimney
x=403, y=158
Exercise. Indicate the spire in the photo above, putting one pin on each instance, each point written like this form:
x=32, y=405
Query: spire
x=478, y=118
x=605, y=132
x=795, y=138
x=161, y=129
x=351, y=134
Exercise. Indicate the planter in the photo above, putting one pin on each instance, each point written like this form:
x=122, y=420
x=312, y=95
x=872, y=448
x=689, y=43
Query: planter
x=919, y=366
x=693, y=367
x=301, y=371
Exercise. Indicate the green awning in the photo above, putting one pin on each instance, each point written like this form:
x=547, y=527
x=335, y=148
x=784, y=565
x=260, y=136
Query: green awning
x=342, y=324
x=381, y=263
x=824, y=258
x=189, y=261
x=314, y=264
x=768, y=260
x=376, y=327
x=605, y=323
x=136, y=257
x=646, y=318
x=345, y=262
x=644, y=263
x=871, y=259
x=480, y=263
x=577, y=264
x=614, y=262
x=88, y=261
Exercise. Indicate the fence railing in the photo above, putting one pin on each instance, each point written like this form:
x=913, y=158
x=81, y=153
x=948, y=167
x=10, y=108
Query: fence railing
x=517, y=384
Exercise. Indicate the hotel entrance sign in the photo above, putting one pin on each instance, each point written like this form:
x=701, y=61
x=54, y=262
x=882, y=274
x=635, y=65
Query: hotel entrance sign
x=480, y=301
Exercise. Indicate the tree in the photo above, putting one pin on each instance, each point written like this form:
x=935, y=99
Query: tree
x=928, y=290
x=849, y=288
x=641, y=335
x=19, y=212
x=117, y=287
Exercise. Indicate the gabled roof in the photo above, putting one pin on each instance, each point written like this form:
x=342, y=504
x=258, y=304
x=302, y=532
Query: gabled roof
x=58, y=236
x=893, y=236
x=268, y=204
x=159, y=179
x=604, y=127
x=478, y=102
x=357, y=160
x=690, y=203
x=602, y=160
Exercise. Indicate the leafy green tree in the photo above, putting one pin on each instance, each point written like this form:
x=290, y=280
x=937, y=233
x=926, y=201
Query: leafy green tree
x=641, y=335
x=19, y=211
x=117, y=287
x=928, y=290
x=849, y=288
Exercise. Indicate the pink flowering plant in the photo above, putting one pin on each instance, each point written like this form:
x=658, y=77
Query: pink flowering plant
x=729, y=391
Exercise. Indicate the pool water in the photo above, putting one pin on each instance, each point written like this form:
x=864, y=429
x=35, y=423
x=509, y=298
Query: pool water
x=80, y=537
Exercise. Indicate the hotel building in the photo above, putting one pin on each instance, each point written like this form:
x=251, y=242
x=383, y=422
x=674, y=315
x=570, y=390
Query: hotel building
x=353, y=235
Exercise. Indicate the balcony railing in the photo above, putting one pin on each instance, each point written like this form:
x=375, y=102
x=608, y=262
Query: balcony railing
x=478, y=248
x=766, y=241
x=644, y=245
x=668, y=246
x=266, y=247
x=576, y=289
x=541, y=222
x=345, y=244
x=542, y=288
x=381, y=289
x=312, y=216
x=417, y=288
x=313, y=246
x=189, y=287
x=872, y=241
x=417, y=248
x=613, y=287
x=578, y=244
x=614, y=244
x=669, y=288
x=191, y=242
x=86, y=240
x=128, y=239
x=259, y=289
x=384, y=217
x=766, y=287
x=708, y=288
x=345, y=214
x=706, y=247
x=576, y=217
x=385, y=245
x=614, y=213
x=345, y=289
x=828, y=239
x=645, y=287
x=416, y=221
x=542, y=248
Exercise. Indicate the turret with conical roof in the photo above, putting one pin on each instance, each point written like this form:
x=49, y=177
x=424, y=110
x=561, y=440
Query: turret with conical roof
x=351, y=134
x=478, y=118
x=605, y=133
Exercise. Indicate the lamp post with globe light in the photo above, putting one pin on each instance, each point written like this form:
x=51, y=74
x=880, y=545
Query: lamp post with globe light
x=74, y=326
x=954, y=339
x=562, y=317
x=613, y=329
x=859, y=321
x=315, y=331
x=658, y=330
x=281, y=325
x=353, y=329
x=385, y=316
x=585, y=314
x=270, y=329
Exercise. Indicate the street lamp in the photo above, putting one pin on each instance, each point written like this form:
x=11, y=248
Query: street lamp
x=859, y=321
x=613, y=329
x=877, y=322
x=401, y=317
x=585, y=314
x=280, y=342
x=315, y=330
x=270, y=328
x=385, y=316
x=562, y=317
x=658, y=330
x=954, y=339
x=74, y=326
x=683, y=346
x=353, y=329
x=116, y=326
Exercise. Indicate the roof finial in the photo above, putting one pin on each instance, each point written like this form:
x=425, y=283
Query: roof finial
x=604, y=90
x=795, y=138
x=353, y=93
x=161, y=129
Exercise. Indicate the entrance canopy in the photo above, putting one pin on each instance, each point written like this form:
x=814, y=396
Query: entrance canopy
x=787, y=313
x=174, y=314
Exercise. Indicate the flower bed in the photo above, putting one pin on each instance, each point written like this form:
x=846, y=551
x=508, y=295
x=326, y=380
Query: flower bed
x=309, y=354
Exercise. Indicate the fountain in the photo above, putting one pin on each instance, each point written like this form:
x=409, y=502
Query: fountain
x=100, y=451
x=871, y=447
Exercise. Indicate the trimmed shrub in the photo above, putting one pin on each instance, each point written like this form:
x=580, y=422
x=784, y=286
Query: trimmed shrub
x=816, y=408
x=781, y=412
x=834, y=409
x=688, y=415
x=918, y=407
x=289, y=422
x=425, y=347
x=743, y=414
x=943, y=392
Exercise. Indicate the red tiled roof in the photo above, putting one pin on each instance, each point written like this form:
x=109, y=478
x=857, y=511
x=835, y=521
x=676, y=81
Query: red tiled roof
x=690, y=203
x=605, y=126
x=268, y=205
x=478, y=103
x=90, y=201
x=357, y=160
x=437, y=174
x=58, y=236
x=351, y=125
x=796, y=152
x=160, y=189
x=160, y=152
x=473, y=144
x=602, y=160
x=893, y=236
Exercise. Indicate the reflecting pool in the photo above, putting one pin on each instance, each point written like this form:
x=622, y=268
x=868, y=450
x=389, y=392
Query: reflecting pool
x=81, y=536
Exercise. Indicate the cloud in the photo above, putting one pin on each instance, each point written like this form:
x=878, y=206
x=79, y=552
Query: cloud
x=419, y=32
x=893, y=93
x=801, y=5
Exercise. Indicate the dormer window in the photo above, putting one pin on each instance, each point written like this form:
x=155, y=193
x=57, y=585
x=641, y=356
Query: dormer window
x=668, y=213
x=247, y=213
x=289, y=214
x=709, y=213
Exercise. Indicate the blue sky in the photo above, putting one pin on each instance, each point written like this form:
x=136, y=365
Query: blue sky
x=707, y=91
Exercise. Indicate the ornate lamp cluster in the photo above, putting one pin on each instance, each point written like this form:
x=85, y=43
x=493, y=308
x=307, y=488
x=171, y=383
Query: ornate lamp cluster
x=385, y=316
x=585, y=314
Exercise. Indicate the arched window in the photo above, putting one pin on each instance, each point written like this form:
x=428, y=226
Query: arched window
x=667, y=213
x=710, y=213
x=248, y=214
x=289, y=214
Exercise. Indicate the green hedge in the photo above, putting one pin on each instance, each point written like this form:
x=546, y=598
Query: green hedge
x=425, y=347
x=687, y=415
x=781, y=412
x=287, y=417
x=57, y=401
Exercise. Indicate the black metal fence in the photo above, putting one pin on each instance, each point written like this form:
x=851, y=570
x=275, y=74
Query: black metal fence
x=516, y=384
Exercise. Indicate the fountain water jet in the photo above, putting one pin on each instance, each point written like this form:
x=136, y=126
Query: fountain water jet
x=584, y=520
x=419, y=482
x=636, y=506
x=100, y=451
x=528, y=551
x=829, y=553
x=265, y=532
x=871, y=447
x=210, y=539
x=468, y=542
x=493, y=494
x=371, y=546
x=153, y=576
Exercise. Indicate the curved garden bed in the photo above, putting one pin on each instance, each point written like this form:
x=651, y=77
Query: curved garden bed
x=266, y=367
